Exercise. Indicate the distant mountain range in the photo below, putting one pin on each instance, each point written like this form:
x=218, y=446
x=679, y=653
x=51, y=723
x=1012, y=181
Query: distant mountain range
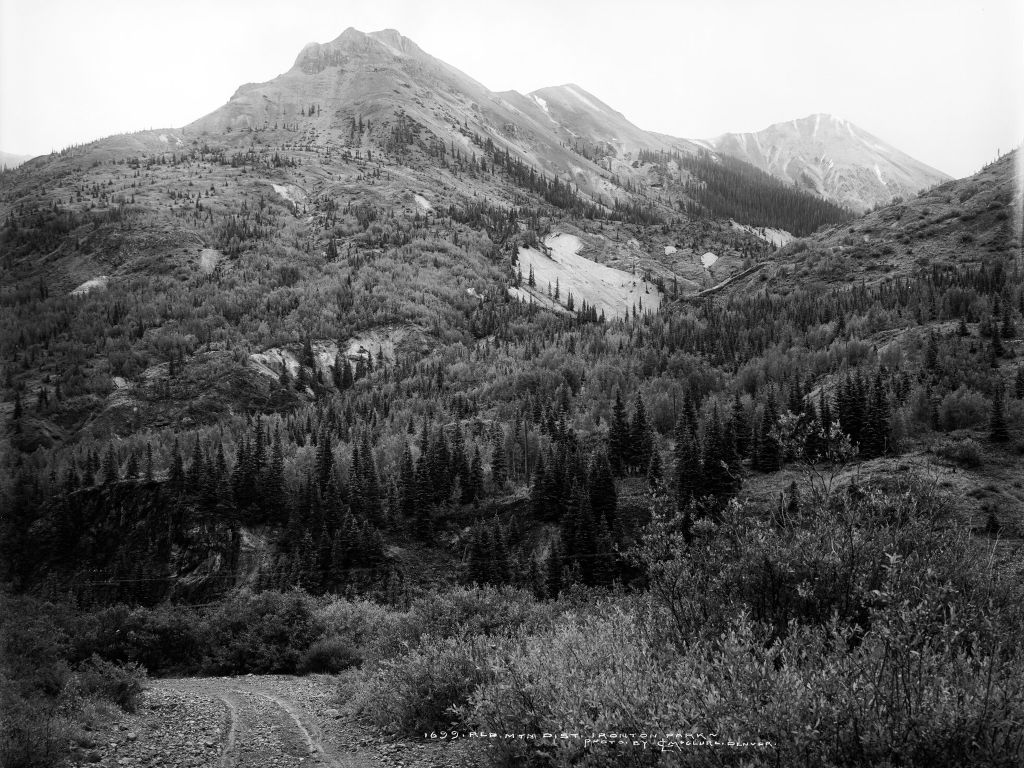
x=563, y=130
x=834, y=159
x=10, y=160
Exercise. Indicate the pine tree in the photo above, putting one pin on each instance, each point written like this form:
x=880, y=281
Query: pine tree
x=476, y=477
x=407, y=485
x=641, y=443
x=132, y=469
x=275, y=502
x=931, y=355
x=689, y=473
x=618, y=437
x=997, y=419
x=196, y=472
x=177, y=474
x=110, y=468
x=719, y=480
x=740, y=427
x=324, y=460
x=767, y=451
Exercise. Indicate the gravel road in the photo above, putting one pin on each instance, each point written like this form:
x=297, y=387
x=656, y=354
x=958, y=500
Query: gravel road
x=255, y=722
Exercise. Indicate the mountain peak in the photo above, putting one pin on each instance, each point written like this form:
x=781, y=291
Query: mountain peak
x=833, y=158
x=316, y=57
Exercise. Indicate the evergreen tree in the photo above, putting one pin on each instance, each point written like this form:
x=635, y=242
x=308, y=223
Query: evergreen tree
x=997, y=419
x=689, y=473
x=641, y=443
x=196, y=472
x=767, y=450
x=602, y=494
x=407, y=485
x=275, y=501
x=177, y=473
x=324, y=460
x=110, y=468
x=619, y=437
x=475, y=482
x=132, y=469
x=740, y=427
x=719, y=480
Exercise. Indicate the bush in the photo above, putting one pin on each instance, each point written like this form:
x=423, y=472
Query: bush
x=265, y=633
x=963, y=409
x=371, y=630
x=329, y=655
x=422, y=689
x=904, y=696
x=476, y=611
x=884, y=640
x=166, y=639
x=35, y=733
x=966, y=452
x=116, y=683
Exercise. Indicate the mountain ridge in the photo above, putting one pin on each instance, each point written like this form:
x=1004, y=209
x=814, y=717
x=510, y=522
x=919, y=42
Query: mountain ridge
x=834, y=158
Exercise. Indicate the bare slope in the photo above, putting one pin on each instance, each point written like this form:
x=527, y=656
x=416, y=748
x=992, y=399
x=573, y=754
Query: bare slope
x=612, y=291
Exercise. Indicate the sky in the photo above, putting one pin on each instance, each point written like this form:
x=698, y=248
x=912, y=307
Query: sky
x=942, y=80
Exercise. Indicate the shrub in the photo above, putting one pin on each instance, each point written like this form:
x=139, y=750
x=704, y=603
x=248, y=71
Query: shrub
x=422, y=689
x=964, y=408
x=371, y=630
x=965, y=452
x=117, y=683
x=895, y=650
x=37, y=705
x=476, y=611
x=35, y=734
x=166, y=639
x=266, y=633
x=329, y=655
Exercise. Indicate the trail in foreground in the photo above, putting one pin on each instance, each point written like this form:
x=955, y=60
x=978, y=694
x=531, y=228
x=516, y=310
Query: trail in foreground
x=254, y=722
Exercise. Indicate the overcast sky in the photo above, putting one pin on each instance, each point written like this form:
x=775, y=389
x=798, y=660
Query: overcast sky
x=943, y=80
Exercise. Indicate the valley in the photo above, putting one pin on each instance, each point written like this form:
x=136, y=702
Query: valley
x=376, y=403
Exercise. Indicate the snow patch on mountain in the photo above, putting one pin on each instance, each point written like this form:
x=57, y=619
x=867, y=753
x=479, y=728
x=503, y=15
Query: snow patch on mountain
x=95, y=284
x=290, y=192
x=208, y=259
x=543, y=104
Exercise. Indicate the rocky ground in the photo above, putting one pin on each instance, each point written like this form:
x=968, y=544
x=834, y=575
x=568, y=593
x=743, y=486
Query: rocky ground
x=255, y=721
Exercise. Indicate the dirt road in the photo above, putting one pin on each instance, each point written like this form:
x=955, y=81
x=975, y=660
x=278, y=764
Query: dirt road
x=253, y=722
